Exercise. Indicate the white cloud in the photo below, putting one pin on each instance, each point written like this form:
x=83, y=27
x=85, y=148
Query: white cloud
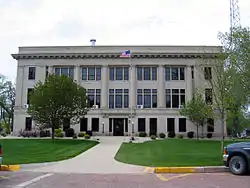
x=62, y=22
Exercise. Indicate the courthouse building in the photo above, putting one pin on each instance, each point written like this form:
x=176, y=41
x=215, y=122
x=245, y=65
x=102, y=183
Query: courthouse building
x=143, y=93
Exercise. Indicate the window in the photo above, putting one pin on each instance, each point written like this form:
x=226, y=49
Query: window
x=208, y=73
x=147, y=98
x=46, y=71
x=182, y=125
x=32, y=73
x=29, y=92
x=208, y=96
x=91, y=73
x=170, y=125
x=28, y=123
x=141, y=125
x=210, y=125
x=95, y=124
x=110, y=124
x=83, y=124
x=118, y=98
x=146, y=73
x=66, y=71
x=118, y=73
x=94, y=97
x=174, y=97
x=174, y=73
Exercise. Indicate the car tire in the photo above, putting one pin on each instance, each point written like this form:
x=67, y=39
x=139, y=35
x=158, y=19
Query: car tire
x=238, y=165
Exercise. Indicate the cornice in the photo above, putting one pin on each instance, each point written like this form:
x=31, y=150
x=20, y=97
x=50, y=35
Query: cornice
x=113, y=56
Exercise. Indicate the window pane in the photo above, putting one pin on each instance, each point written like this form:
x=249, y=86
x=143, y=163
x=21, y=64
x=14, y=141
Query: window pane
x=126, y=101
x=139, y=90
x=175, y=91
x=175, y=75
x=91, y=73
x=111, y=73
x=119, y=73
x=57, y=71
x=139, y=73
x=98, y=73
x=154, y=73
x=182, y=73
x=98, y=100
x=111, y=101
x=111, y=90
x=119, y=91
x=126, y=73
x=154, y=100
x=65, y=71
x=167, y=73
x=147, y=101
x=175, y=101
x=139, y=100
x=147, y=74
x=182, y=125
x=71, y=73
x=84, y=73
x=141, y=124
x=91, y=100
x=118, y=101
x=182, y=99
x=168, y=101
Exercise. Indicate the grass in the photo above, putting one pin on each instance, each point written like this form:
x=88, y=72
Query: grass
x=24, y=151
x=172, y=152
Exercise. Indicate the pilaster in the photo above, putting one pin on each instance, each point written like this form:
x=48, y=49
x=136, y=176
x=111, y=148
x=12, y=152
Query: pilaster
x=104, y=91
x=161, y=87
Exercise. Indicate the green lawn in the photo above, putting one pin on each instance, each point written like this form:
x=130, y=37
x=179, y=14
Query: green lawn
x=24, y=151
x=172, y=152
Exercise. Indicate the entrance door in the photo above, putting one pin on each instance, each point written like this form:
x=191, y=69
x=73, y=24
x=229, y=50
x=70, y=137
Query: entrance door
x=118, y=127
x=153, y=126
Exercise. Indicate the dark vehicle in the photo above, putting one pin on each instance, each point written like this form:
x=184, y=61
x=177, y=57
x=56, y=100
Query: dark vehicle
x=237, y=157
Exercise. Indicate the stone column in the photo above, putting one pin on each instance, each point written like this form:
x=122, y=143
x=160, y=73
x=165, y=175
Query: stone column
x=77, y=74
x=132, y=87
x=161, y=87
x=104, y=92
x=189, y=84
x=21, y=77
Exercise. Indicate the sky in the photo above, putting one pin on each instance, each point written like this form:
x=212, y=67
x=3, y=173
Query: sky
x=111, y=22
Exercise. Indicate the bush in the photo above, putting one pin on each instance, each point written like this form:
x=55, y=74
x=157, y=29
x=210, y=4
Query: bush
x=69, y=132
x=28, y=134
x=45, y=133
x=180, y=136
x=162, y=135
x=171, y=134
x=58, y=131
x=153, y=137
x=190, y=134
x=142, y=134
x=209, y=135
x=60, y=134
x=86, y=136
x=3, y=134
x=81, y=134
x=89, y=133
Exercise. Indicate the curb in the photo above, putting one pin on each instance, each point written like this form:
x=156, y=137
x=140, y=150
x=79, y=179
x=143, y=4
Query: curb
x=207, y=169
x=9, y=167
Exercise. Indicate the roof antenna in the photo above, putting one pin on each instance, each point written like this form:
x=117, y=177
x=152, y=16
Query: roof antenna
x=93, y=41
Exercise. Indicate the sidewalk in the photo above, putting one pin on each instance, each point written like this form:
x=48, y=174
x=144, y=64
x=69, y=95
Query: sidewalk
x=99, y=159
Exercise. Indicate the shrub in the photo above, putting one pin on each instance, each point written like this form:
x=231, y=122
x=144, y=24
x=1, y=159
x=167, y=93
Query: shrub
x=81, y=134
x=132, y=138
x=190, y=134
x=57, y=131
x=209, y=135
x=162, y=135
x=60, y=134
x=171, y=134
x=45, y=133
x=3, y=134
x=28, y=134
x=142, y=134
x=86, y=136
x=153, y=137
x=89, y=133
x=180, y=136
x=69, y=132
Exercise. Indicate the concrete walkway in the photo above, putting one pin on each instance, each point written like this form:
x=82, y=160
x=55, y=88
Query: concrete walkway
x=99, y=159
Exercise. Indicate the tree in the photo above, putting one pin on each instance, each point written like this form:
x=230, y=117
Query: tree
x=7, y=102
x=197, y=111
x=55, y=100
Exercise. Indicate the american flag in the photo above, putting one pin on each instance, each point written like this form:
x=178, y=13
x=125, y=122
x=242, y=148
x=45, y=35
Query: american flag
x=126, y=53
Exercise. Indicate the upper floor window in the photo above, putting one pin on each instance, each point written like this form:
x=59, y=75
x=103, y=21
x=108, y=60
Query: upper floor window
x=118, y=98
x=209, y=96
x=175, y=97
x=118, y=73
x=91, y=73
x=146, y=73
x=147, y=98
x=66, y=71
x=174, y=73
x=32, y=73
x=94, y=97
x=208, y=73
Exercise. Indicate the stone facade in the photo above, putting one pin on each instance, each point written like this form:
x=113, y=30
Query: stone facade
x=145, y=78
